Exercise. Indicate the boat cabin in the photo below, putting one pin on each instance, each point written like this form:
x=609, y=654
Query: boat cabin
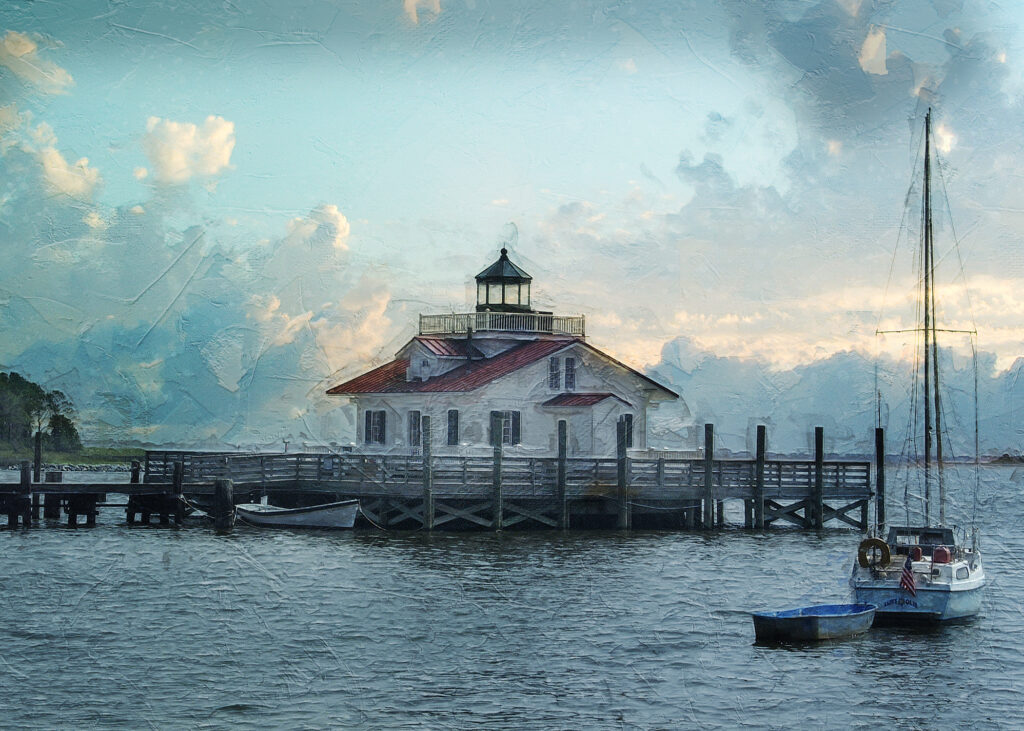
x=902, y=539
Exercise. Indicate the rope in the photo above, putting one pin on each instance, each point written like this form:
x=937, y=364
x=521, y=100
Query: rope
x=371, y=521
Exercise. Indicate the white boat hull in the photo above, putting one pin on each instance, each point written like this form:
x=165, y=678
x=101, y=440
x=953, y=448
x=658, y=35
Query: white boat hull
x=929, y=605
x=332, y=515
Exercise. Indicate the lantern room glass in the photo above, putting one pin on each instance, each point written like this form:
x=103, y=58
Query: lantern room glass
x=511, y=294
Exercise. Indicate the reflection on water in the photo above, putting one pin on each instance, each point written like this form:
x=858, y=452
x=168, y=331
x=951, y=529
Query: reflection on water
x=116, y=627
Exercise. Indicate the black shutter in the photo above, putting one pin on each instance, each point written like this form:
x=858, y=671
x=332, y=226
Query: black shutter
x=515, y=427
x=453, y=428
x=496, y=428
x=383, y=426
x=368, y=427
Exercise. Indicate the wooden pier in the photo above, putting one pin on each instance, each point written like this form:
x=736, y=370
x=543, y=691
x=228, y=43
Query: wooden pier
x=496, y=492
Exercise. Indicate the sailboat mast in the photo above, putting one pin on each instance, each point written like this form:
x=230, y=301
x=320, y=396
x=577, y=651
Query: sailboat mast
x=935, y=368
x=926, y=300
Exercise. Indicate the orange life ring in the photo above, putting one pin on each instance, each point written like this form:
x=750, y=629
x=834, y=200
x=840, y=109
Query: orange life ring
x=873, y=544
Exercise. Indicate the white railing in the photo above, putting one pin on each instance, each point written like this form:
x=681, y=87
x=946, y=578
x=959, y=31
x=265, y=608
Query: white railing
x=524, y=322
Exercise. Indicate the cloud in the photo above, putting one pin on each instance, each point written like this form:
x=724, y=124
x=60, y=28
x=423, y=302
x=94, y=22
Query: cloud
x=872, y=52
x=18, y=52
x=179, y=151
x=77, y=180
x=412, y=8
x=325, y=224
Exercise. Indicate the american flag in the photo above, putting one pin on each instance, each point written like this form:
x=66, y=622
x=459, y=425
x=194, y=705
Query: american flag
x=907, y=578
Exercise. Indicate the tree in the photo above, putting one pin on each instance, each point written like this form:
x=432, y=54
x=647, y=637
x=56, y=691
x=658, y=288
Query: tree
x=63, y=436
x=26, y=408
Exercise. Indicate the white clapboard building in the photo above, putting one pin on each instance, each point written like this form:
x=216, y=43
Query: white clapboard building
x=505, y=364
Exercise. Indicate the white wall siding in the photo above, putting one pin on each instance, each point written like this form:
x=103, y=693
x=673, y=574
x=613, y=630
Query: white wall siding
x=591, y=428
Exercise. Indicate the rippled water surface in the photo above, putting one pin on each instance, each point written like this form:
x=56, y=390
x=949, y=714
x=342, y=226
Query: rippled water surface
x=122, y=627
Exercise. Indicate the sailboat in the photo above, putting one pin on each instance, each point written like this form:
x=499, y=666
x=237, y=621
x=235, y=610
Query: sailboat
x=921, y=574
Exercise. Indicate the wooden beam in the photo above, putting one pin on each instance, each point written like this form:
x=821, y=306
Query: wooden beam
x=709, y=475
x=563, y=447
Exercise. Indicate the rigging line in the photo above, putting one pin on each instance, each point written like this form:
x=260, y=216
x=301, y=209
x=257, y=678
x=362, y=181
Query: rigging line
x=899, y=235
x=977, y=442
x=956, y=245
x=934, y=329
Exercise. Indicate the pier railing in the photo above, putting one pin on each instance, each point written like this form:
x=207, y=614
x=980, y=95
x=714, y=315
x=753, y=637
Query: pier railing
x=355, y=474
x=523, y=322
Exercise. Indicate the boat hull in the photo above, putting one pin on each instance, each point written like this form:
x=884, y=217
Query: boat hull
x=939, y=604
x=812, y=624
x=330, y=516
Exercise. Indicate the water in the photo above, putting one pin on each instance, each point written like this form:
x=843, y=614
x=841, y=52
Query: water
x=118, y=627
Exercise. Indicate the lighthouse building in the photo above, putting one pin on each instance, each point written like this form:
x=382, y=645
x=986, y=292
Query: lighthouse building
x=505, y=367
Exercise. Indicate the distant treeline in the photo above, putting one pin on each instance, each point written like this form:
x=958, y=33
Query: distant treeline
x=27, y=408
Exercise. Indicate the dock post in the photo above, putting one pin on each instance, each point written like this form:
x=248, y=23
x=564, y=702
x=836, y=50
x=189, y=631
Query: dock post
x=880, y=478
x=223, y=506
x=709, y=475
x=563, y=449
x=37, y=462
x=818, y=512
x=428, y=474
x=622, y=474
x=51, y=503
x=496, y=507
x=178, y=480
x=759, y=479
x=132, y=507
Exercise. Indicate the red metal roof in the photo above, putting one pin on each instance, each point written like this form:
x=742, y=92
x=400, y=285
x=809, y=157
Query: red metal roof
x=578, y=399
x=390, y=378
x=379, y=380
x=443, y=347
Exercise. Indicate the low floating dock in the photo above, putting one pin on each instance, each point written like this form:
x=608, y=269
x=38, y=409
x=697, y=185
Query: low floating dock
x=498, y=492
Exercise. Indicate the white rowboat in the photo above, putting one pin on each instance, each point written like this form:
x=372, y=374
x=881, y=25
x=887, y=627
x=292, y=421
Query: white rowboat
x=329, y=515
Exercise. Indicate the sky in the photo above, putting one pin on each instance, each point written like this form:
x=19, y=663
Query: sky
x=210, y=212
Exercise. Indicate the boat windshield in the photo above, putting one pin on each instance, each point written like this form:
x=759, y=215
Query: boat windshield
x=901, y=538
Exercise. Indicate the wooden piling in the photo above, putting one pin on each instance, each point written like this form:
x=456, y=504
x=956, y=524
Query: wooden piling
x=622, y=475
x=428, y=474
x=223, y=506
x=563, y=450
x=819, y=469
x=759, y=479
x=880, y=478
x=51, y=503
x=496, y=497
x=709, y=475
x=136, y=469
x=37, y=462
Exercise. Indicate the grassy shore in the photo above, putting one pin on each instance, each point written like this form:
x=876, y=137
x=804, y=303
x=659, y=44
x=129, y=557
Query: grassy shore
x=88, y=455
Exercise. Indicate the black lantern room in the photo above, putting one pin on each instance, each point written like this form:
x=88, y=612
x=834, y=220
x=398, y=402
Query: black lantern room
x=503, y=287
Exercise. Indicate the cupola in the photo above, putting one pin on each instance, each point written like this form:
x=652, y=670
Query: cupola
x=503, y=287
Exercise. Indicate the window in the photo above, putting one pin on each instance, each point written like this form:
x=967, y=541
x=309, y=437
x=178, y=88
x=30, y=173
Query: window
x=494, y=293
x=453, y=428
x=374, y=427
x=628, y=418
x=415, y=435
x=570, y=374
x=509, y=422
x=554, y=373
x=962, y=572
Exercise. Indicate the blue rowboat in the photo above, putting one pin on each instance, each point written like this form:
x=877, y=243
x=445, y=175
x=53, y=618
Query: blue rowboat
x=819, y=622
